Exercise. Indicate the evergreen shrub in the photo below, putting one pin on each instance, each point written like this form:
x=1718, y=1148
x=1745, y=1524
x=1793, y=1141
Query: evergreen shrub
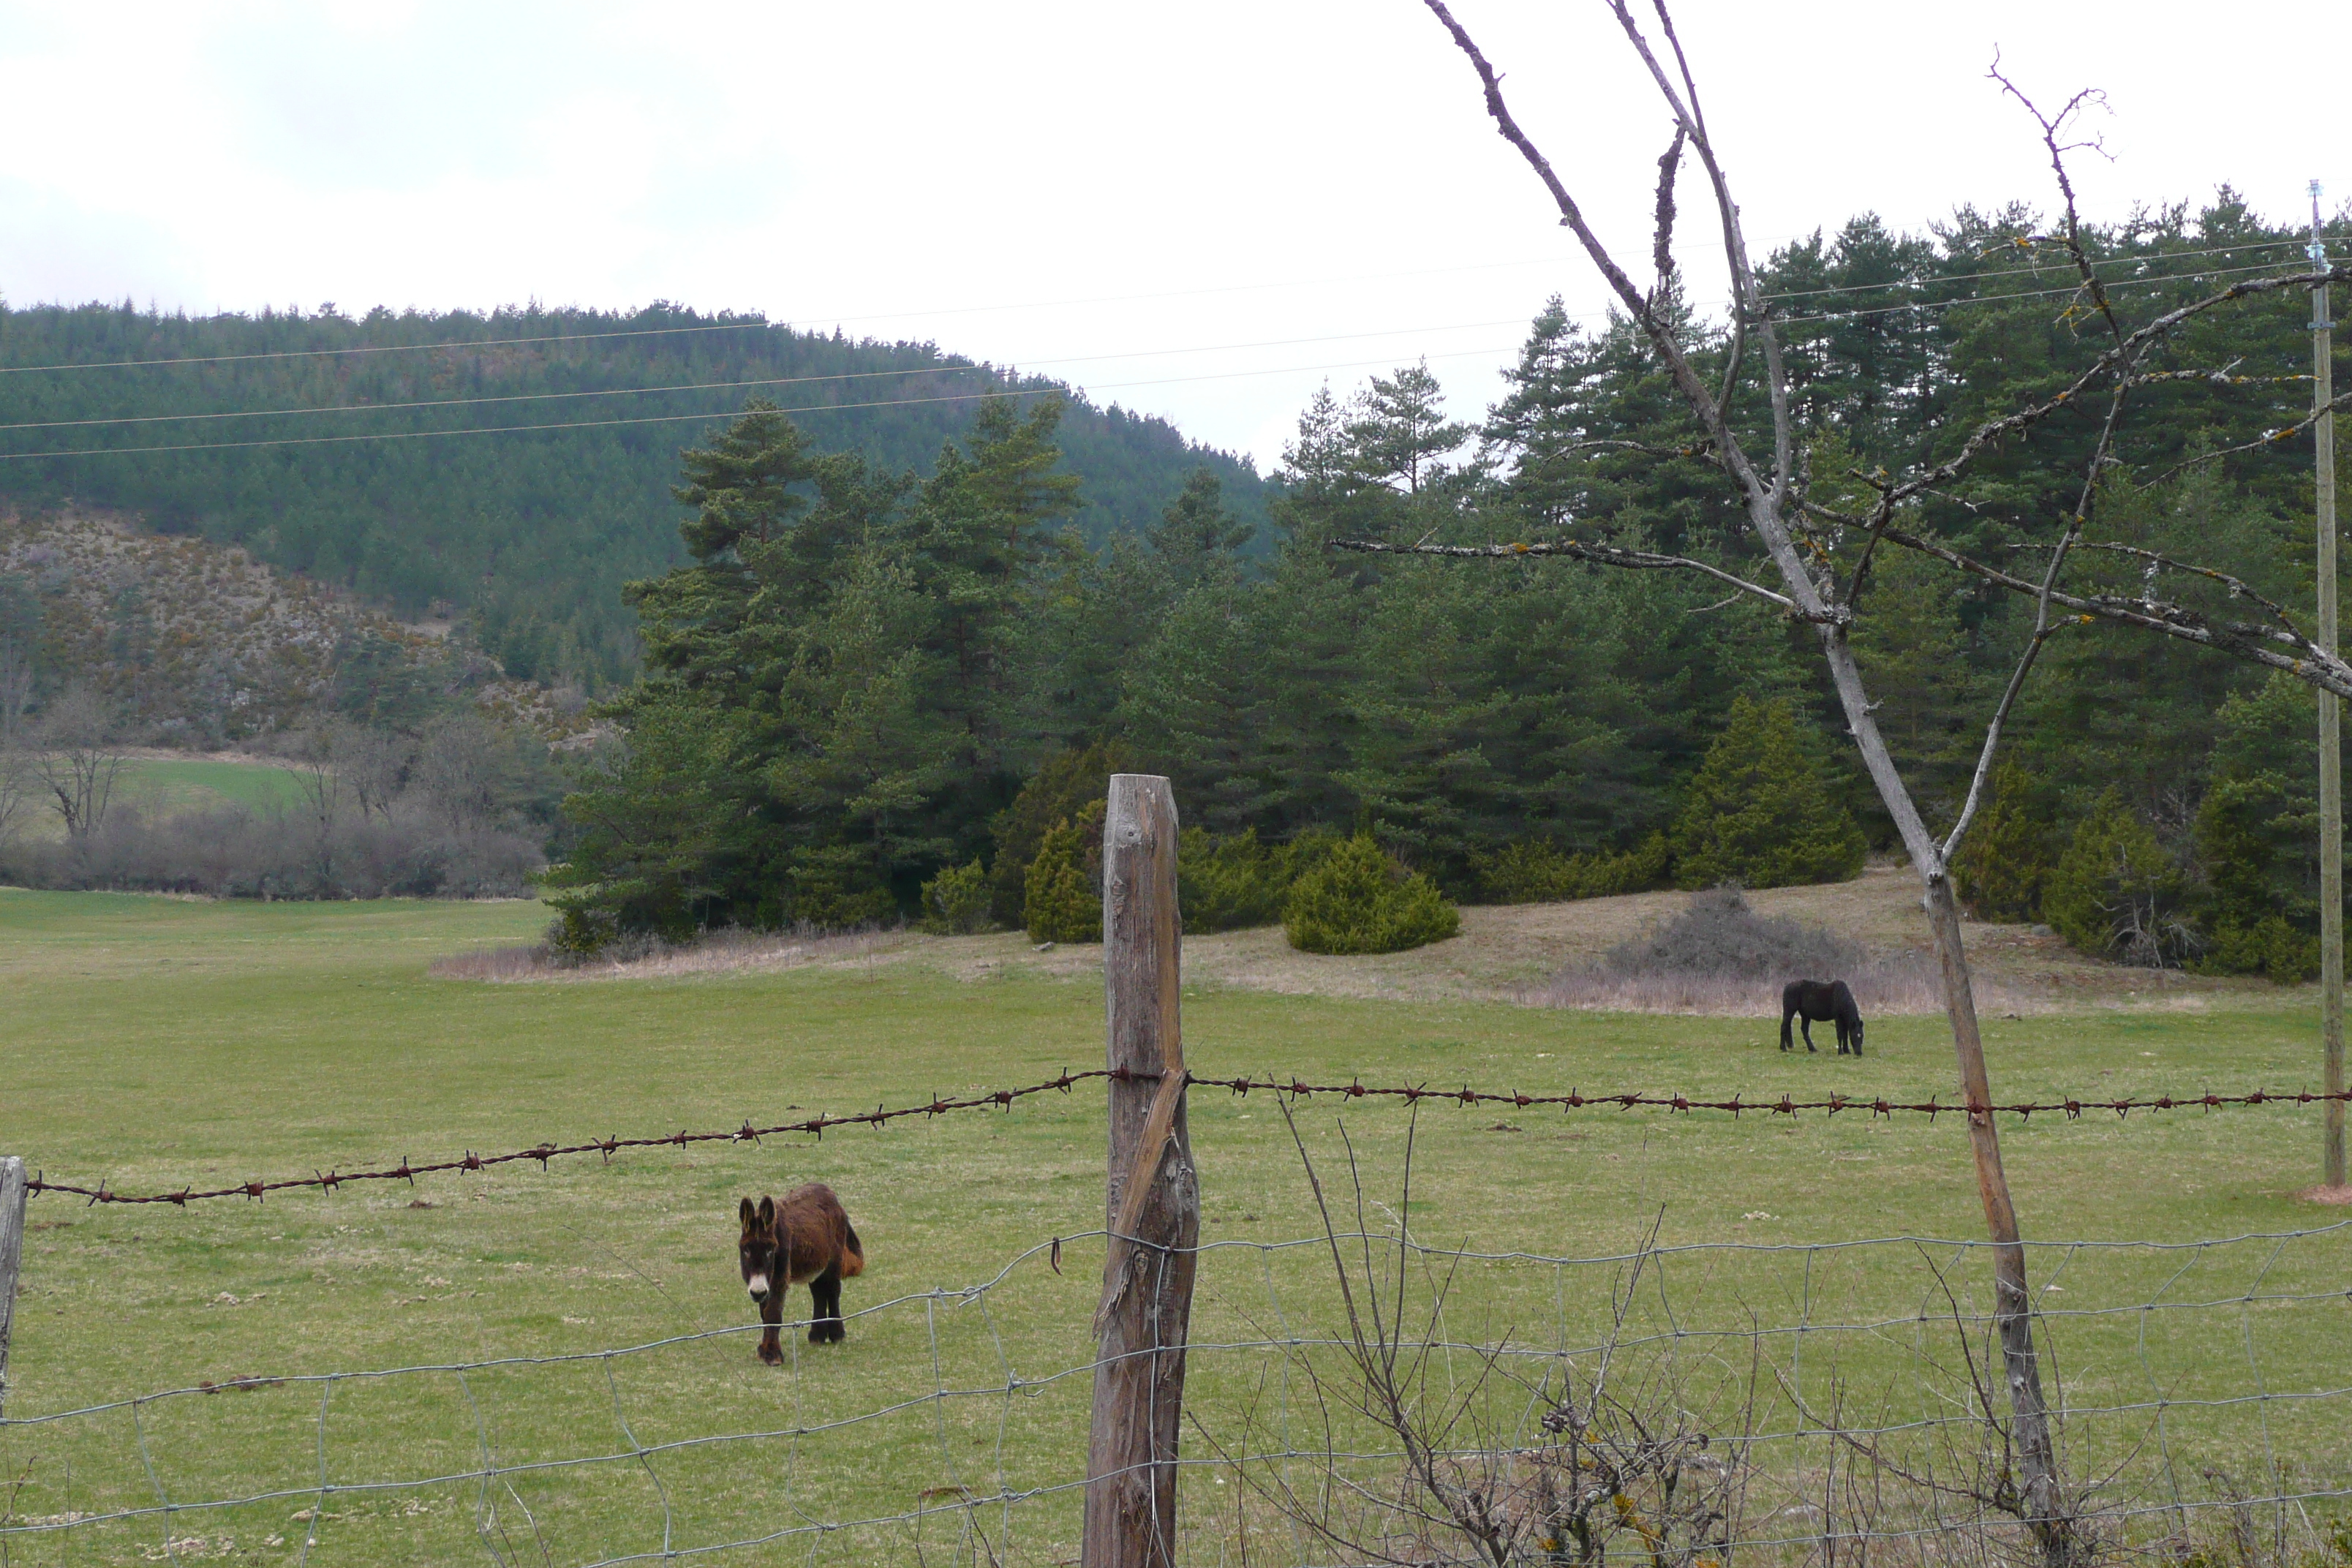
x=1536, y=871
x=2271, y=947
x=2006, y=860
x=1229, y=882
x=1059, y=789
x=957, y=901
x=2257, y=834
x=1062, y=894
x=833, y=886
x=2116, y=893
x=1357, y=899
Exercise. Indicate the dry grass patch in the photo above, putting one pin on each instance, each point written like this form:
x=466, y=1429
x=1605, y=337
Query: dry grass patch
x=732, y=952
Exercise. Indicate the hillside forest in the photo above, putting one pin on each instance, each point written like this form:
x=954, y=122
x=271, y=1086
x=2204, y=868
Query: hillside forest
x=324, y=444
x=876, y=685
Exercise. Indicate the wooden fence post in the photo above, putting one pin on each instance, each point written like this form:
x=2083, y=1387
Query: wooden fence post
x=12, y=1247
x=1154, y=1204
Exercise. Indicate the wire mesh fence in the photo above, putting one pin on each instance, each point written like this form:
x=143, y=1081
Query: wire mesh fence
x=1363, y=1394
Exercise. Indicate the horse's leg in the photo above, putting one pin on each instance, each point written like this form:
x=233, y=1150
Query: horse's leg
x=825, y=1295
x=1809, y=1032
x=1786, y=1014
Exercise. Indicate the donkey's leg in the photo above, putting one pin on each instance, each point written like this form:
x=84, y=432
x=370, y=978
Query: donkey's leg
x=824, y=1295
x=772, y=1315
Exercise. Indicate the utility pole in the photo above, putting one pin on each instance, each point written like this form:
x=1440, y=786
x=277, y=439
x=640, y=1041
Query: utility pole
x=2331, y=753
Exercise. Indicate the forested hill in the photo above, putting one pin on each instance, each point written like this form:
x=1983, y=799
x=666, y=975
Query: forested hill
x=530, y=532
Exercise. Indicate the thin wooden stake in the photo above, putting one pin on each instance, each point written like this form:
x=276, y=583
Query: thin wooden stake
x=2331, y=745
x=1152, y=1204
x=12, y=1249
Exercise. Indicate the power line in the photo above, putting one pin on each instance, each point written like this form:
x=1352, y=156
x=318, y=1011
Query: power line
x=762, y=323
x=678, y=419
x=887, y=403
x=734, y=385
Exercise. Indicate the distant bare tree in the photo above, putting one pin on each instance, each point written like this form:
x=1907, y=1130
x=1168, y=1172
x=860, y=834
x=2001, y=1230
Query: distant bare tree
x=15, y=692
x=76, y=761
x=372, y=764
x=20, y=785
x=319, y=792
x=460, y=766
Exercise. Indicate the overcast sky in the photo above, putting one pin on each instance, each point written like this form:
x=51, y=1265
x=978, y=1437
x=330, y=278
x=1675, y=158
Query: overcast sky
x=1200, y=211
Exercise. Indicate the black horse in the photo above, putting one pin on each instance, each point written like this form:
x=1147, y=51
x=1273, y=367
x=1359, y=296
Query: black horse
x=1818, y=1002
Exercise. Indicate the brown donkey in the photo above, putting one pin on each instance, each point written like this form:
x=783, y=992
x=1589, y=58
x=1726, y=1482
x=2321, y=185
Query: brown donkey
x=807, y=1239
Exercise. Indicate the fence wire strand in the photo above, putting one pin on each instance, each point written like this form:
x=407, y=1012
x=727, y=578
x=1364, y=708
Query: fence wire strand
x=2072, y=1107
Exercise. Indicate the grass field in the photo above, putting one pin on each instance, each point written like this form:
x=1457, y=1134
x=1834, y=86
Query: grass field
x=153, y=1042
x=159, y=785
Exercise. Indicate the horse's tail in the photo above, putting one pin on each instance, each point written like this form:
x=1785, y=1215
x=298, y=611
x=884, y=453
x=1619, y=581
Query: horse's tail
x=852, y=1251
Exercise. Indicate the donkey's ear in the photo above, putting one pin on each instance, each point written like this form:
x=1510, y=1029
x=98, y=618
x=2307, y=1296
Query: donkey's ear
x=745, y=1212
x=767, y=1211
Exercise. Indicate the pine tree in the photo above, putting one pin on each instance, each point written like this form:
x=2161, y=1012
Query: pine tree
x=1760, y=813
x=1400, y=435
x=1197, y=530
x=2116, y=893
x=2005, y=861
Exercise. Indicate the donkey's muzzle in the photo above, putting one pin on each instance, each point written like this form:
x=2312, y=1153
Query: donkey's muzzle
x=758, y=1286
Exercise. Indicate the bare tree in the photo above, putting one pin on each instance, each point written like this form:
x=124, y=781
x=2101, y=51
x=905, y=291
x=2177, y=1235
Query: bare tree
x=76, y=760
x=319, y=793
x=373, y=764
x=461, y=768
x=1799, y=538
x=16, y=690
x=20, y=786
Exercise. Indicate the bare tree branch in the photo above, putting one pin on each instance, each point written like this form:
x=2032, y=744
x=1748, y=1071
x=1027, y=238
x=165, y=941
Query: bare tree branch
x=2267, y=438
x=1598, y=554
x=2238, y=586
x=1662, y=245
x=2256, y=644
x=2052, y=129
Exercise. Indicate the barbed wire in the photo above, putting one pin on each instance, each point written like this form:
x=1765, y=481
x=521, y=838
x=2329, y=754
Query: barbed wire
x=1740, y=1104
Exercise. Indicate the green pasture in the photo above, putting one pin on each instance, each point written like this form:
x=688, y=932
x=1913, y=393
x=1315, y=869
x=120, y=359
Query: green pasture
x=153, y=1042
x=156, y=787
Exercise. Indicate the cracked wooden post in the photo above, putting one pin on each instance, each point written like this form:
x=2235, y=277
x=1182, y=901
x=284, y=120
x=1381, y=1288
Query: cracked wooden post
x=12, y=1246
x=1153, y=1208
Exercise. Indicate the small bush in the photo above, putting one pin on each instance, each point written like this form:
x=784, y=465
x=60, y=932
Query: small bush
x=1719, y=956
x=1536, y=871
x=1760, y=813
x=2116, y=893
x=238, y=853
x=2271, y=947
x=1357, y=899
x=957, y=901
x=580, y=932
x=1062, y=894
x=1719, y=936
x=1229, y=883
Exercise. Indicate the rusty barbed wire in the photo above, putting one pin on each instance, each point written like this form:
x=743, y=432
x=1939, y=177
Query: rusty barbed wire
x=1002, y=1099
